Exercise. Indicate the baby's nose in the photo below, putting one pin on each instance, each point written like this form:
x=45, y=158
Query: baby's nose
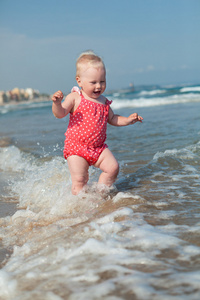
x=98, y=85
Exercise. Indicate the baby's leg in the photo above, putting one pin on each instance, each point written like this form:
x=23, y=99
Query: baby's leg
x=78, y=168
x=109, y=166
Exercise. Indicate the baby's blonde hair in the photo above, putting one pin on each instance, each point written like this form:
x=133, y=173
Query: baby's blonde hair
x=88, y=57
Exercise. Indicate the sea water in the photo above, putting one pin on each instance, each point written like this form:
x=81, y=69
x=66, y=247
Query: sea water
x=140, y=240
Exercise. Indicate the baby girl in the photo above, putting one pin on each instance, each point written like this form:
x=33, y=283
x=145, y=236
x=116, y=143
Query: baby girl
x=89, y=112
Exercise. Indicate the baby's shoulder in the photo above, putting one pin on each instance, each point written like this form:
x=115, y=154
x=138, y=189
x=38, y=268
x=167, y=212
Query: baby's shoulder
x=75, y=98
x=71, y=101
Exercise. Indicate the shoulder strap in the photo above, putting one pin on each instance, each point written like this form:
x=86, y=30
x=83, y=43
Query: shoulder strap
x=76, y=89
x=108, y=102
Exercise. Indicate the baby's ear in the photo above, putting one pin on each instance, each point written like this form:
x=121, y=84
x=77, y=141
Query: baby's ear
x=78, y=80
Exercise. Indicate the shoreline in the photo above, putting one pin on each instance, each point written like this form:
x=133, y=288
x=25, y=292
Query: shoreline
x=35, y=100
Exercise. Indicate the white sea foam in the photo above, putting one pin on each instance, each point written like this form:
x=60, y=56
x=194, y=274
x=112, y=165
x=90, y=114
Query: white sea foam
x=8, y=286
x=185, y=153
x=120, y=196
x=108, y=248
x=152, y=93
x=11, y=159
x=158, y=101
x=190, y=89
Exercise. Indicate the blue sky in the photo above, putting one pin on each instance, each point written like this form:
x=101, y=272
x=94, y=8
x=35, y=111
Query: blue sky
x=141, y=41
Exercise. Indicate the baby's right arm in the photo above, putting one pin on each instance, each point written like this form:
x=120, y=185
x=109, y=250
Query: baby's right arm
x=61, y=109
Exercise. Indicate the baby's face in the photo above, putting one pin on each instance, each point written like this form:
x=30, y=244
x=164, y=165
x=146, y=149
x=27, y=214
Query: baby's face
x=92, y=80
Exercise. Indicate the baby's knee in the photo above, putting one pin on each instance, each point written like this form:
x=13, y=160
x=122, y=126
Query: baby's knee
x=81, y=179
x=115, y=169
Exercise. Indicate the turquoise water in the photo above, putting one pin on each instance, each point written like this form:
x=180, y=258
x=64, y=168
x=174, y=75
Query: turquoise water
x=140, y=241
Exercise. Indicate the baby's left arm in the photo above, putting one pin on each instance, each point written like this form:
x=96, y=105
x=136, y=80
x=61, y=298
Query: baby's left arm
x=117, y=120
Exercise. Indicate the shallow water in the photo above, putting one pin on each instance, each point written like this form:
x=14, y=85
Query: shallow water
x=140, y=240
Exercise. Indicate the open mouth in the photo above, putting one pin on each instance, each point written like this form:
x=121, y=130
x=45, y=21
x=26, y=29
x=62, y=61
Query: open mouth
x=97, y=93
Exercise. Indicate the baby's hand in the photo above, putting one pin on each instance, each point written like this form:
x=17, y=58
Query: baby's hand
x=57, y=97
x=134, y=118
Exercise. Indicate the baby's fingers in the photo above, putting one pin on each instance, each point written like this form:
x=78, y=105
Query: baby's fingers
x=57, y=96
x=140, y=119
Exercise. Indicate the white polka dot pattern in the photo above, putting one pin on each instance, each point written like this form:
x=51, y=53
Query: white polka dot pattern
x=86, y=133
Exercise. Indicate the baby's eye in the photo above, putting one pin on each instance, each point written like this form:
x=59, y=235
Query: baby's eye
x=93, y=82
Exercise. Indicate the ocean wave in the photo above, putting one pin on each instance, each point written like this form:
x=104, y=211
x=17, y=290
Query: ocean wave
x=190, y=89
x=152, y=93
x=188, y=153
x=178, y=167
x=158, y=101
x=33, y=179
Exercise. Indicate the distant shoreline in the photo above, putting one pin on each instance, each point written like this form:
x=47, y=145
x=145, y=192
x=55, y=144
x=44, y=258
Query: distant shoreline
x=35, y=100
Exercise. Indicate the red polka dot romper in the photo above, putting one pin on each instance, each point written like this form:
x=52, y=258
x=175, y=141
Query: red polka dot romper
x=86, y=132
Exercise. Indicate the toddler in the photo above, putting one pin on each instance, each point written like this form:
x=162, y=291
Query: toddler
x=89, y=112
